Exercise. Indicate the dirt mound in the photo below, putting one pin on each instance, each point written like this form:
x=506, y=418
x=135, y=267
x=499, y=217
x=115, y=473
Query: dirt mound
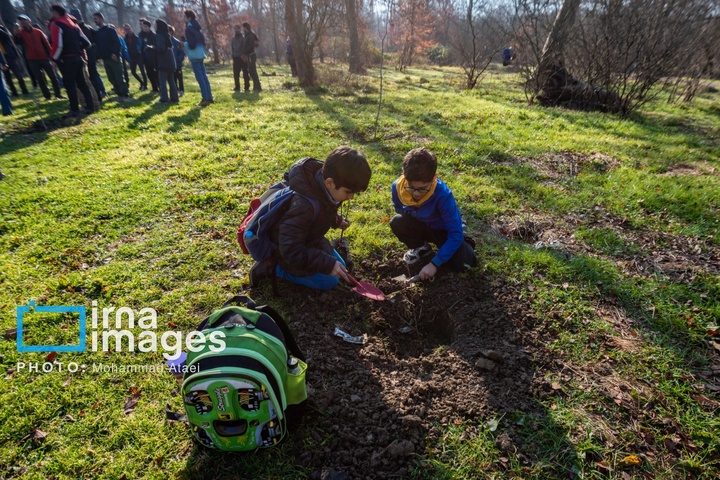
x=448, y=351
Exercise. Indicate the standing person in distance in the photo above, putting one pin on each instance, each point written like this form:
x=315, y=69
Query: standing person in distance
x=165, y=63
x=195, y=48
x=136, y=60
x=109, y=50
x=250, y=41
x=147, y=39
x=91, y=53
x=37, y=51
x=5, y=103
x=68, y=44
x=13, y=60
x=236, y=48
x=179, y=52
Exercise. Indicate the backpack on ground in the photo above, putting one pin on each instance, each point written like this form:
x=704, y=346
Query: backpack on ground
x=262, y=215
x=243, y=397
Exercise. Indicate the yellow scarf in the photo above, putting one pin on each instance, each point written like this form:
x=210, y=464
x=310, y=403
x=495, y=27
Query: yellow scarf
x=406, y=197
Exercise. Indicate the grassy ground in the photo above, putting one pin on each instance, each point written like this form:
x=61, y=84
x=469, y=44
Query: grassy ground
x=137, y=206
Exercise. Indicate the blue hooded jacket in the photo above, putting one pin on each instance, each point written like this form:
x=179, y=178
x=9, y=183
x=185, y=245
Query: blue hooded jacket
x=439, y=212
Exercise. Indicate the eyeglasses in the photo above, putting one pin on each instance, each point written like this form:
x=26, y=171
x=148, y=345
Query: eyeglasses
x=417, y=190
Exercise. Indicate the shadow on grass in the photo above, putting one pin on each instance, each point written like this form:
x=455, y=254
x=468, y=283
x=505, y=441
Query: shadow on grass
x=384, y=409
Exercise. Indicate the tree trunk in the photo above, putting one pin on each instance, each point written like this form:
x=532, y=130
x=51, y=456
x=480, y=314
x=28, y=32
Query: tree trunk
x=120, y=7
x=355, y=59
x=298, y=40
x=211, y=32
x=273, y=23
x=552, y=55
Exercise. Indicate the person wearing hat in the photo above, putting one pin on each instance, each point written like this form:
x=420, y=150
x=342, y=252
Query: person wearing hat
x=37, y=52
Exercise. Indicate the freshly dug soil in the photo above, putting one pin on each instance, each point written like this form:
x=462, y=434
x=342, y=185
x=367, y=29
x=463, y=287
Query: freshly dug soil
x=454, y=350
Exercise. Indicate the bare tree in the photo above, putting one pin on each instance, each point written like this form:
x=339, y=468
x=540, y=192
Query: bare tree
x=477, y=37
x=306, y=25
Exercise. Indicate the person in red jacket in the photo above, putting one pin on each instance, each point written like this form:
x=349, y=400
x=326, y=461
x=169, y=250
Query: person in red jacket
x=37, y=52
x=67, y=49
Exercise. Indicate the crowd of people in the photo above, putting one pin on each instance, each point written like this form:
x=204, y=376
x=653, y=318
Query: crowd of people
x=67, y=57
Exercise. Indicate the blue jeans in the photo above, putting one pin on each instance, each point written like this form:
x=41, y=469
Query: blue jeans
x=198, y=67
x=318, y=281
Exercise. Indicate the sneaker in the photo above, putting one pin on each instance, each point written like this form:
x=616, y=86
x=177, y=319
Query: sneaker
x=180, y=93
x=414, y=255
x=261, y=271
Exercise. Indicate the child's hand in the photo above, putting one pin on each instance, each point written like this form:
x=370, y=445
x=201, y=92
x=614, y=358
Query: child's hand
x=344, y=223
x=428, y=271
x=340, y=271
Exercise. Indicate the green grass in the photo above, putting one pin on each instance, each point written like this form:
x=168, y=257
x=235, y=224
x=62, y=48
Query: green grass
x=137, y=205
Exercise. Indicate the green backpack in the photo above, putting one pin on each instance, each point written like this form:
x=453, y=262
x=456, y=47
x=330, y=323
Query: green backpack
x=240, y=398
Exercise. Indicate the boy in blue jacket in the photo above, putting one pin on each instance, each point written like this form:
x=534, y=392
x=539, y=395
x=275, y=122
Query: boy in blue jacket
x=427, y=213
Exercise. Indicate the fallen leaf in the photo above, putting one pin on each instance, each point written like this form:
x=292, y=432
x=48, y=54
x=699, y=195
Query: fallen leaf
x=556, y=386
x=172, y=324
x=39, y=435
x=11, y=333
x=69, y=418
x=134, y=390
x=51, y=356
x=67, y=382
x=130, y=403
x=94, y=407
x=91, y=451
x=630, y=461
x=705, y=401
x=603, y=466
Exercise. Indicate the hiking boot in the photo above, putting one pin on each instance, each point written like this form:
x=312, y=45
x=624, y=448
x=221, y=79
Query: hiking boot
x=261, y=271
x=414, y=255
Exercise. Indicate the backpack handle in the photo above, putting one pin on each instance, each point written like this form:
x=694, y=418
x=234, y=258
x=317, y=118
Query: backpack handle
x=240, y=300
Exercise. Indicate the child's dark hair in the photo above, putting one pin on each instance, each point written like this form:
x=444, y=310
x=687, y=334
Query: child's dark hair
x=419, y=165
x=190, y=14
x=348, y=168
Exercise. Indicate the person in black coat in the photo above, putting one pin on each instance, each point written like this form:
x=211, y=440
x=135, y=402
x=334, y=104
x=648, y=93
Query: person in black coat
x=249, y=63
x=303, y=254
x=147, y=39
x=14, y=62
x=165, y=61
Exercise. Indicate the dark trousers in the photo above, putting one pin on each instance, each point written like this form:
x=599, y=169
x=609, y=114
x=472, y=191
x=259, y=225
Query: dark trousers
x=114, y=72
x=16, y=69
x=72, y=70
x=179, y=80
x=151, y=70
x=249, y=70
x=137, y=64
x=237, y=68
x=167, y=78
x=95, y=79
x=37, y=67
x=414, y=233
